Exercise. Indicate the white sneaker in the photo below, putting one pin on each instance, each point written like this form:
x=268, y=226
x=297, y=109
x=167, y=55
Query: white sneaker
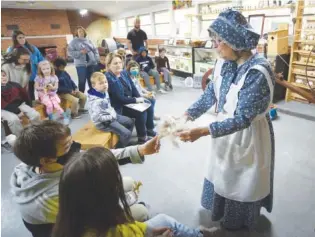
x=212, y=232
x=162, y=91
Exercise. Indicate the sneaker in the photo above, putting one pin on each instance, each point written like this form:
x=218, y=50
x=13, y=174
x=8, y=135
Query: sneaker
x=83, y=111
x=76, y=116
x=6, y=148
x=143, y=140
x=162, y=91
x=212, y=232
x=156, y=118
x=151, y=133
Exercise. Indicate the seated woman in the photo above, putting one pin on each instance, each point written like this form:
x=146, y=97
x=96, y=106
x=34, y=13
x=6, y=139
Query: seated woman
x=122, y=91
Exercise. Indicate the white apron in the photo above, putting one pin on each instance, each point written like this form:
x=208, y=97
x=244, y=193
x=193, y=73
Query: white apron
x=239, y=164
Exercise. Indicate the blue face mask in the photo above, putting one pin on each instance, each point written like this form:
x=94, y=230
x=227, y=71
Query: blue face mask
x=134, y=73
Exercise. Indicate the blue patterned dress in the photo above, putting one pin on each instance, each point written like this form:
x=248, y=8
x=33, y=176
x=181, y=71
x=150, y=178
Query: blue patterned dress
x=254, y=99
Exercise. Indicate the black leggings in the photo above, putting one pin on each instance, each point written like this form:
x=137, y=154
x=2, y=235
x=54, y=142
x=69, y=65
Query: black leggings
x=31, y=89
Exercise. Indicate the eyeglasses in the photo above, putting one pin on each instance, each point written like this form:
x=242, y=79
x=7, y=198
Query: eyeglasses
x=24, y=60
x=21, y=37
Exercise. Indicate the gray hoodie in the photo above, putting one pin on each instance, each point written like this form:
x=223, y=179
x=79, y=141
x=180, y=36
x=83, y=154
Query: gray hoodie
x=100, y=110
x=37, y=194
x=80, y=59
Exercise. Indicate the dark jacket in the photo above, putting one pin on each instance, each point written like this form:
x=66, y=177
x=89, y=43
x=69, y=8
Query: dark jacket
x=100, y=68
x=66, y=85
x=162, y=62
x=146, y=63
x=121, y=90
x=12, y=96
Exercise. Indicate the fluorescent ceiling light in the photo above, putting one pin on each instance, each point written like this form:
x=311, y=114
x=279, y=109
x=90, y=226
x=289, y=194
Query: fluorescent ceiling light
x=83, y=12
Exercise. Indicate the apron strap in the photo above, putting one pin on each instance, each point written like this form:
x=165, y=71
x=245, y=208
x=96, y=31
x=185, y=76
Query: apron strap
x=264, y=71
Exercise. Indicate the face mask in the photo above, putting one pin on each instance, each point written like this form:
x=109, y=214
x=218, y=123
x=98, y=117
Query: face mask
x=134, y=73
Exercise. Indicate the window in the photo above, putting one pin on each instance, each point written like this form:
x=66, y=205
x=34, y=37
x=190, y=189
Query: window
x=12, y=27
x=54, y=26
x=204, y=28
x=162, y=23
x=183, y=22
x=130, y=23
x=122, y=29
x=146, y=26
x=114, y=28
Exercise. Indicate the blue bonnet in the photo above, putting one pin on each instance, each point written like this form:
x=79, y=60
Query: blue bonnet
x=234, y=30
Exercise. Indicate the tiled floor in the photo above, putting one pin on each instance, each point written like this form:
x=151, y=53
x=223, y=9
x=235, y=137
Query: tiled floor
x=173, y=178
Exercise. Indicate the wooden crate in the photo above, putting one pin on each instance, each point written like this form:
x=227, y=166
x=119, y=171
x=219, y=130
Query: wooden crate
x=89, y=136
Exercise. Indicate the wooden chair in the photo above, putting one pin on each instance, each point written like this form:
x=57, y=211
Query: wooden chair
x=89, y=136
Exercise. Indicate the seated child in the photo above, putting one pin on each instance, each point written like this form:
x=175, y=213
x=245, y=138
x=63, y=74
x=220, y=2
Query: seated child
x=101, y=66
x=103, y=114
x=147, y=70
x=15, y=103
x=46, y=85
x=133, y=70
x=43, y=148
x=68, y=90
x=101, y=209
x=163, y=66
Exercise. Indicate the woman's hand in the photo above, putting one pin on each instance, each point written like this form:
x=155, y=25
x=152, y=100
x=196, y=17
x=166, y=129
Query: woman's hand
x=192, y=135
x=150, y=147
x=162, y=232
x=83, y=51
x=139, y=100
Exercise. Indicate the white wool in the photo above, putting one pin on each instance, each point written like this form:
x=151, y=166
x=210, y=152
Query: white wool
x=169, y=126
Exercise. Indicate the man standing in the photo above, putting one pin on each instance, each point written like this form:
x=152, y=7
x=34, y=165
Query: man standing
x=136, y=38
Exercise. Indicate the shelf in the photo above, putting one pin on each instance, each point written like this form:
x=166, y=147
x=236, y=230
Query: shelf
x=216, y=2
x=306, y=41
x=266, y=8
x=177, y=46
x=304, y=64
x=302, y=86
x=304, y=52
x=206, y=49
x=211, y=64
x=181, y=70
x=302, y=74
x=178, y=57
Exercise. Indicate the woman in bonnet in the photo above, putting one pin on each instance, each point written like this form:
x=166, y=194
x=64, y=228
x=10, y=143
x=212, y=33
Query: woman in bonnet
x=239, y=177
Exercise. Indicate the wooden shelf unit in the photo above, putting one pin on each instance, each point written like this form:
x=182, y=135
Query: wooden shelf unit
x=297, y=67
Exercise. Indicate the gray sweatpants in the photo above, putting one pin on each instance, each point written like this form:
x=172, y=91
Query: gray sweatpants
x=14, y=122
x=146, y=77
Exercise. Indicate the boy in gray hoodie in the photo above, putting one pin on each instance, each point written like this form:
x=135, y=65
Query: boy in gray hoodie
x=43, y=148
x=103, y=114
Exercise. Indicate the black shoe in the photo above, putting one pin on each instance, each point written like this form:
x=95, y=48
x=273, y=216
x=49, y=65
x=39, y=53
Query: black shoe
x=151, y=133
x=83, y=111
x=142, y=141
x=170, y=86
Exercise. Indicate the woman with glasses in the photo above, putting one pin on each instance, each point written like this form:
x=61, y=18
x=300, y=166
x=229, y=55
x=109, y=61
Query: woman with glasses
x=19, y=40
x=17, y=66
x=239, y=180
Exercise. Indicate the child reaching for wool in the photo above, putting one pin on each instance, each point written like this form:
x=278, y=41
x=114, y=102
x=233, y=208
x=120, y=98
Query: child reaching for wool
x=46, y=85
x=101, y=209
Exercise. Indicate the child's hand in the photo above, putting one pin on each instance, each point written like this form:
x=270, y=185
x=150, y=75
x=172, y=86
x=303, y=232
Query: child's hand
x=164, y=231
x=150, y=147
x=20, y=115
x=50, y=87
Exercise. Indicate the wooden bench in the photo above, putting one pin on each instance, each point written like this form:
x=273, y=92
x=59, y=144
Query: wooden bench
x=152, y=81
x=89, y=136
x=40, y=108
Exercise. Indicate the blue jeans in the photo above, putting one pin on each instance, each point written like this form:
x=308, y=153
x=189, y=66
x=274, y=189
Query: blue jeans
x=84, y=74
x=150, y=113
x=123, y=127
x=146, y=77
x=178, y=229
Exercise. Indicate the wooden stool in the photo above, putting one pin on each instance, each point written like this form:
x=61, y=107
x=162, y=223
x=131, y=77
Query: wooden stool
x=89, y=136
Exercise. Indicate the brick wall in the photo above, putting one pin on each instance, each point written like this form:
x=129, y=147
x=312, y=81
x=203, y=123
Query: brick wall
x=35, y=22
x=38, y=23
x=75, y=19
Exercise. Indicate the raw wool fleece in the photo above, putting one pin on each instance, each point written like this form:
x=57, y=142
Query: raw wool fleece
x=169, y=126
